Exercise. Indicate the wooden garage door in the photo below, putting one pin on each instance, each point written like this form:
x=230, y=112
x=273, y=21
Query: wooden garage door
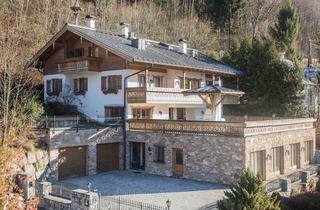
x=107, y=157
x=72, y=162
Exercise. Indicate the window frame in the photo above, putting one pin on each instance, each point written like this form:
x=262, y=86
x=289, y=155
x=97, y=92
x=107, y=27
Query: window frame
x=110, y=110
x=80, y=86
x=140, y=112
x=277, y=160
x=159, y=154
x=308, y=151
x=254, y=162
x=295, y=159
x=54, y=86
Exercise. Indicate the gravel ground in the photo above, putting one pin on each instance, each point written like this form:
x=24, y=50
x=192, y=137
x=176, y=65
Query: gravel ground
x=156, y=190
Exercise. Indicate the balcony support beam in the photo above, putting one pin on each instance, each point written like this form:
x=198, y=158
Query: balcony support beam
x=184, y=80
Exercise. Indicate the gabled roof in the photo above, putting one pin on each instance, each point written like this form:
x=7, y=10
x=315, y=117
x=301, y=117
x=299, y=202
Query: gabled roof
x=156, y=53
x=213, y=89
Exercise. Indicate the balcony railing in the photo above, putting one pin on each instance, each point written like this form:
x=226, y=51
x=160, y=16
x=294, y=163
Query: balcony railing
x=215, y=128
x=161, y=95
x=79, y=64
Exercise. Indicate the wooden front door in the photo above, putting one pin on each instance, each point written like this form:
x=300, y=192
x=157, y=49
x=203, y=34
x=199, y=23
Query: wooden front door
x=177, y=161
x=72, y=162
x=107, y=157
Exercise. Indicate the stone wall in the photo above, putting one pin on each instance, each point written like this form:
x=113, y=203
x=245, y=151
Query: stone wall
x=206, y=158
x=268, y=141
x=62, y=137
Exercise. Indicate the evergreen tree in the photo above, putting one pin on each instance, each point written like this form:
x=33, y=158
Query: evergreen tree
x=271, y=85
x=286, y=30
x=248, y=194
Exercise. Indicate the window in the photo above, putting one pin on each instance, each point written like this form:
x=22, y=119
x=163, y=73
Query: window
x=157, y=81
x=181, y=114
x=294, y=155
x=142, y=80
x=111, y=84
x=257, y=162
x=277, y=160
x=75, y=53
x=308, y=151
x=113, y=113
x=190, y=83
x=80, y=86
x=159, y=154
x=54, y=87
x=171, y=113
x=141, y=113
x=93, y=52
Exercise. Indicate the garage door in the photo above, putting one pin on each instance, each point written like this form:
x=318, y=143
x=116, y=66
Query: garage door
x=72, y=162
x=107, y=157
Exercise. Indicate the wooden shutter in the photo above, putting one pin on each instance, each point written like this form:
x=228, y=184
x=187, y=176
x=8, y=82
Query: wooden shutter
x=85, y=84
x=75, y=85
x=59, y=85
x=119, y=82
x=48, y=87
x=103, y=83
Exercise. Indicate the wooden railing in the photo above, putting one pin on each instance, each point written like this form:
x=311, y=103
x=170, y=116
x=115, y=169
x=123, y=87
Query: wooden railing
x=79, y=64
x=180, y=127
x=160, y=95
x=238, y=129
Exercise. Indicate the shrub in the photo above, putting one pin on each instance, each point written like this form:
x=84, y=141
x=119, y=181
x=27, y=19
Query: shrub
x=302, y=201
x=248, y=194
x=318, y=186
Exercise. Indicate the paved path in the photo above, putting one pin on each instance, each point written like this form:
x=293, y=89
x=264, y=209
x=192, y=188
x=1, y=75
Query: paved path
x=184, y=194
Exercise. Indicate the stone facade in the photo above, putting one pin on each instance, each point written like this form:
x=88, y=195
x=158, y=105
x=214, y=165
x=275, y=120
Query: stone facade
x=63, y=137
x=222, y=158
x=268, y=141
x=206, y=158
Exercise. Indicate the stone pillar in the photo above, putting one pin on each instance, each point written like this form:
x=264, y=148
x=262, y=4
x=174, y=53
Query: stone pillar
x=92, y=159
x=305, y=175
x=285, y=185
x=84, y=200
x=44, y=189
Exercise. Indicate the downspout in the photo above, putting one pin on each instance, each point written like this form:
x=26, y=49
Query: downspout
x=125, y=113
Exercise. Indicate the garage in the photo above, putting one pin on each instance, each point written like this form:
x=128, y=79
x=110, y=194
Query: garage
x=107, y=157
x=72, y=162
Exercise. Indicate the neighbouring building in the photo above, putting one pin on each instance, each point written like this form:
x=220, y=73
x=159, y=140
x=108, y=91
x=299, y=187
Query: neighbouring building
x=170, y=98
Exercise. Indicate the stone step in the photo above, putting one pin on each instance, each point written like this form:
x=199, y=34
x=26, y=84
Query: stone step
x=56, y=203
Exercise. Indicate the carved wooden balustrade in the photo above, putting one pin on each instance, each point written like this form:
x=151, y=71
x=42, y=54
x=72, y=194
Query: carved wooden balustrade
x=237, y=129
x=160, y=95
x=79, y=64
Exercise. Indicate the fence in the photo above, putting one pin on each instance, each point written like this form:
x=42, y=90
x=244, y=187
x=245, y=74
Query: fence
x=74, y=122
x=123, y=203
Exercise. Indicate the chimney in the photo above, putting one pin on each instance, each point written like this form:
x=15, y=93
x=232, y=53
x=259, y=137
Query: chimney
x=124, y=30
x=182, y=46
x=90, y=22
x=131, y=35
x=139, y=44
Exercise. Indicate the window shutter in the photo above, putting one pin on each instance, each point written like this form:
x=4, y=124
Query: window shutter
x=48, y=87
x=103, y=83
x=85, y=84
x=75, y=85
x=59, y=85
x=119, y=82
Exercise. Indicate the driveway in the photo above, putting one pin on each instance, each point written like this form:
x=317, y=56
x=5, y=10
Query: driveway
x=151, y=189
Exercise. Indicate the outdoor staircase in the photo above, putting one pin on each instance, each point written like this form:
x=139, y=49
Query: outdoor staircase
x=59, y=198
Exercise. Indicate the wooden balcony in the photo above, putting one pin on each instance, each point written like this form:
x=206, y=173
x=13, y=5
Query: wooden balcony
x=79, y=64
x=161, y=95
x=215, y=128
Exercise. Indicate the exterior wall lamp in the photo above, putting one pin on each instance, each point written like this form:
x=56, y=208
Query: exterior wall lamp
x=168, y=202
x=287, y=152
x=269, y=157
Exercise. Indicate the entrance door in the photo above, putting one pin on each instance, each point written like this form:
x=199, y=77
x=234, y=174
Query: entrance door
x=72, y=162
x=177, y=161
x=107, y=157
x=137, y=155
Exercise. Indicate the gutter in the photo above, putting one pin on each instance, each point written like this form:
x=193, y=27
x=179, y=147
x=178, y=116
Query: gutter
x=125, y=112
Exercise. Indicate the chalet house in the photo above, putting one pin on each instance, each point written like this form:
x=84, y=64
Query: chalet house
x=171, y=99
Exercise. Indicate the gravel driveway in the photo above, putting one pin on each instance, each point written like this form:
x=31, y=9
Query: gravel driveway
x=184, y=194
